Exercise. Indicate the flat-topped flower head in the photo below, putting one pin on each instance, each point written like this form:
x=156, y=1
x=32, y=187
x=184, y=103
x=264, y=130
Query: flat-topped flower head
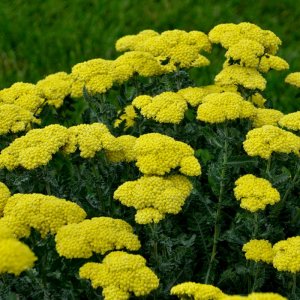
x=266, y=116
x=25, y=95
x=267, y=139
x=197, y=291
x=259, y=250
x=286, y=255
x=154, y=196
x=172, y=48
x=89, y=139
x=255, y=193
x=98, y=235
x=230, y=34
x=255, y=296
x=222, y=107
x=291, y=121
x=167, y=107
x=249, y=78
x=14, y=118
x=15, y=257
x=128, y=117
x=120, y=274
x=55, y=88
x=157, y=154
x=125, y=152
x=93, y=74
x=4, y=195
x=46, y=214
x=268, y=62
x=35, y=148
x=293, y=79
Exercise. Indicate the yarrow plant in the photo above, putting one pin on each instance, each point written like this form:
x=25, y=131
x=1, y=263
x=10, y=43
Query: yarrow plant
x=123, y=179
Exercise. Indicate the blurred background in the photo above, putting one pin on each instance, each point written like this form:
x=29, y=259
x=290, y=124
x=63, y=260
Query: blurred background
x=38, y=38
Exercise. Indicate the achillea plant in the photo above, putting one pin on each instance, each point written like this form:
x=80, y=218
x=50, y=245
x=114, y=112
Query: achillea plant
x=196, y=185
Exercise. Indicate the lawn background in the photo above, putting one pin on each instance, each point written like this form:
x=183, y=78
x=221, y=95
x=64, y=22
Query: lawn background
x=40, y=37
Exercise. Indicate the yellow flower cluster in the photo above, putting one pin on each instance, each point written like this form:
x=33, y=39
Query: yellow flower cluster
x=55, y=88
x=195, y=95
x=259, y=250
x=25, y=95
x=293, y=79
x=154, y=196
x=287, y=255
x=255, y=296
x=266, y=116
x=4, y=195
x=196, y=291
x=125, y=153
x=249, y=78
x=6, y=232
x=258, y=100
x=199, y=291
x=98, y=75
x=120, y=274
x=15, y=257
x=45, y=214
x=35, y=148
x=98, y=235
x=269, y=61
x=167, y=107
x=255, y=193
x=221, y=107
x=291, y=121
x=14, y=118
x=267, y=139
x=230, y=34
x=128, y=117
x=157, y=154
x=172, y=48
x=89, y=138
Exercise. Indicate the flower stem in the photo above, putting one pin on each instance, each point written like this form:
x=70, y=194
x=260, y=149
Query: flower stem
x=219, y=206
x=294, y=278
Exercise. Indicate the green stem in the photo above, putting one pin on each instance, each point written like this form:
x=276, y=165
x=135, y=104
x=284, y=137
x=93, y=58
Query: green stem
x=294, y=278
x=255, y=273
x=268, y=167
x=219, y=207
x=255, y=225
x=96, y=174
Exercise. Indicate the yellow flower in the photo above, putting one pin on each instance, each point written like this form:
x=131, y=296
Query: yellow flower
x=98, y=235
x=293, y=79
x=125, y=153
x=5, y=231
x=157, y=154
x=287, y=255
x=120, y=274
x=246, y=52
x=221, y=107
x=268, y=62
x=154, y=196
x=25, y=95
x=128, y=116
x=266, y=116
x=229, y=34
x=255, y=193
x=4, y=195
x=291, y=121
x=167, y=107
x=259, y=250
x=45, y=214
x=249, y=78
x=35, y=148
x=267, y=139
x=55, y=88
x=14, y=118
x=255, y=296
x=172, y=48
x=258, y=100
x=15, y=257
x=94, y=74
x=90, y=138
x=196, y=291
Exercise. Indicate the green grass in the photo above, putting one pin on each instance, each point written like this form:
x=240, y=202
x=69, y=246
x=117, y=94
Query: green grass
x=42, y=37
